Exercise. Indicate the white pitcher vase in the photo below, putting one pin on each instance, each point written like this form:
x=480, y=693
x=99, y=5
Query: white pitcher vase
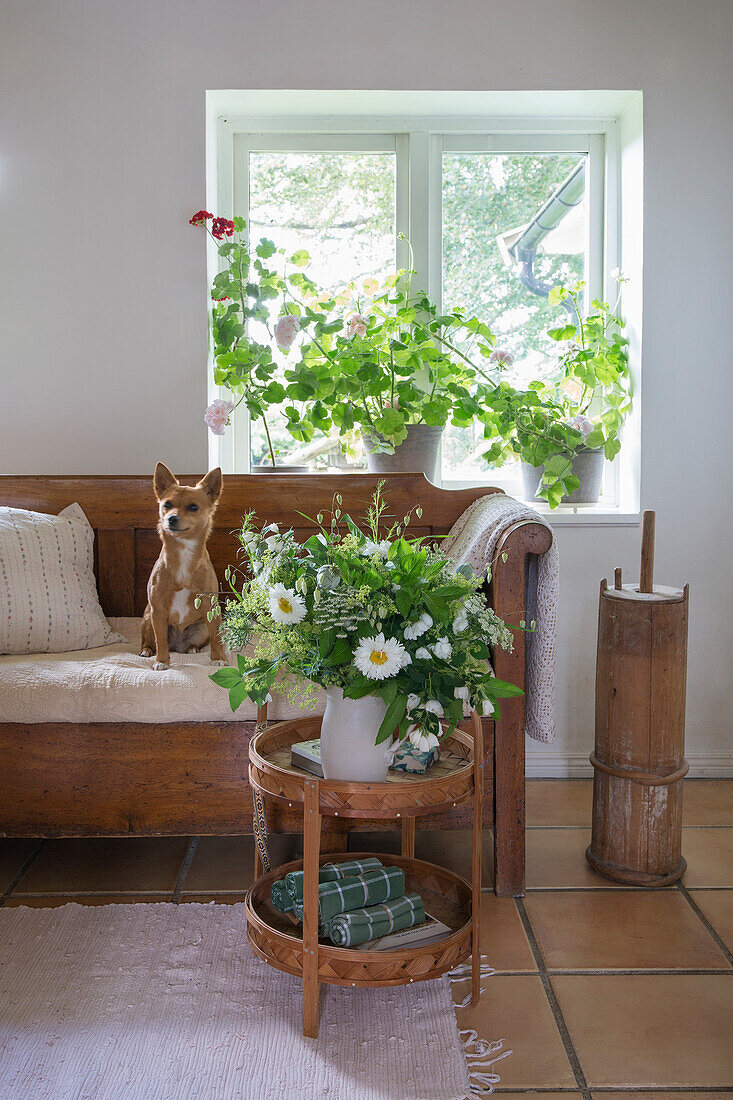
x=348, y=732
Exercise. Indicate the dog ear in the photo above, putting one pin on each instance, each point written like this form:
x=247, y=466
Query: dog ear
x=163, y=480
x=212, y=484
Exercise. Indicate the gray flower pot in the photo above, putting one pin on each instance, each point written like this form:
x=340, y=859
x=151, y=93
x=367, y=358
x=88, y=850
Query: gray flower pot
x=416, y=454
x=587, y=465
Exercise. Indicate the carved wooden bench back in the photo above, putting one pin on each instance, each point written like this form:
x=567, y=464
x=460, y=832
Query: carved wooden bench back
x=123, y=512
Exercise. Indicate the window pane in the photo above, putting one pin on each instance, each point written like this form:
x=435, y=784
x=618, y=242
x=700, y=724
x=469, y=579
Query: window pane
x=340, y=207
x=514, y=225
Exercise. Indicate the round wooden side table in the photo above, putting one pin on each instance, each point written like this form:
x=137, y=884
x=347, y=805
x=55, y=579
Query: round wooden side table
x=283, y=943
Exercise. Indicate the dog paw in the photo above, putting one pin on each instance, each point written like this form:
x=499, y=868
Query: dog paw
x=218, y=663
x=160, y=666
x=146, y=653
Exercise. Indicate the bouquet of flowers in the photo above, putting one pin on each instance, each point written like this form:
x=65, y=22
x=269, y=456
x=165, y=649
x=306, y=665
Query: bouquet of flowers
x=368, y=611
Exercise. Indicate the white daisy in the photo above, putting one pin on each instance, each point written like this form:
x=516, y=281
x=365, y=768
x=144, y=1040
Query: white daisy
x=443, y=649
x=379, y=657
x=286, y=606
x=421, y=739
x=433, y=706
x=423, y=654
x=416, y=630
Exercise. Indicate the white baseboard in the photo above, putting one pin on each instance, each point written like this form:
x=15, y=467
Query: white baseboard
x=553, y=763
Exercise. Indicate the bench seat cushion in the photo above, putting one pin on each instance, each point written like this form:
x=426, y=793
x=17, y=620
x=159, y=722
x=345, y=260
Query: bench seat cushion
x=114, y=684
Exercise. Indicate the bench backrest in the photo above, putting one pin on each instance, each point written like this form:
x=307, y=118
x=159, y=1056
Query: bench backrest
x=123, y=512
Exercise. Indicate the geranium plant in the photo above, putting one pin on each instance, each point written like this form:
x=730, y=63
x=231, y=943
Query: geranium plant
x=248, y=289
x=584, y=406
x=388, y=361
x=371, y=612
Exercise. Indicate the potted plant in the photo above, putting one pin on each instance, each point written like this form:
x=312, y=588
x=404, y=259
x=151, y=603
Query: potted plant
x=392, y=369
x=562, y=430
x=246, y=289
x=399, y=639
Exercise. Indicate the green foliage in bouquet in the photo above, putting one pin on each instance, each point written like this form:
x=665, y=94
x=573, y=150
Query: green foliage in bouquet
x=385, y=616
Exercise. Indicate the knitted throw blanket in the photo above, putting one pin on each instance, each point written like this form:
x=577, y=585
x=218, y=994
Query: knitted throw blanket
x=473, y=540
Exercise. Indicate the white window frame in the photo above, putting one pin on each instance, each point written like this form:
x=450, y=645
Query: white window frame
x=418, y=143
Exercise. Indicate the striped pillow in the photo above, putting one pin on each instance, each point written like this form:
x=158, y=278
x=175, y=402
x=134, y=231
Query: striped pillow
x=48, y=594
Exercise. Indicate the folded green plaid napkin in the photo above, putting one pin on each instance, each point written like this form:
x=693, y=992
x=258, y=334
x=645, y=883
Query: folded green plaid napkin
x=286, y=890
x=354, y=893
x=330, y=872
x=360, y=925
x=279, y=896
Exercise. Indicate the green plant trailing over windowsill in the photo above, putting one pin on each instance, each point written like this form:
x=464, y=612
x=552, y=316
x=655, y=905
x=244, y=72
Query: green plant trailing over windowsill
x=548, y=423
x=373, y=612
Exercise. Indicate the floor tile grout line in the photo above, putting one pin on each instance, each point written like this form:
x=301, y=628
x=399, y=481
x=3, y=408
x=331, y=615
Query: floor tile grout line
x=682, y=889
x=620, y=1090
x=19, y=874
x=562, y=1026
x=92, y=894
x=184, y=869
x=558, y=972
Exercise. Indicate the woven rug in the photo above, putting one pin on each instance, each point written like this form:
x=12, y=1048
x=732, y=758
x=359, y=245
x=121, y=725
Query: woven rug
x=168, y=1002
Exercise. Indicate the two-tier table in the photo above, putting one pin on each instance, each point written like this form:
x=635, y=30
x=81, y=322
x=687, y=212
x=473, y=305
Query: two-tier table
x=284, y=943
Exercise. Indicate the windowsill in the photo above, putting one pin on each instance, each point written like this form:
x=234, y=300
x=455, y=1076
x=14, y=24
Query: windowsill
x=602, y=514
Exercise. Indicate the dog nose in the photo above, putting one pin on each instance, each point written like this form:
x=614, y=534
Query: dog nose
x=172, y=521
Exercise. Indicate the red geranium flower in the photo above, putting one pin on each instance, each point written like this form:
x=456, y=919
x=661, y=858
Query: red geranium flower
x=221, y=227
x=200, y=218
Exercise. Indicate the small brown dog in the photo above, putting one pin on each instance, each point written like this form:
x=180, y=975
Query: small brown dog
x=183, y=571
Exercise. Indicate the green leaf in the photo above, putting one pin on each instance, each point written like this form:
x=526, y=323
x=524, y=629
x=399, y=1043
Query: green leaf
x=358, y=688
x=300, y=258
x=226, y=677
x=395, y=713
x=265, y=249
x=326, y=641
x=237, y=694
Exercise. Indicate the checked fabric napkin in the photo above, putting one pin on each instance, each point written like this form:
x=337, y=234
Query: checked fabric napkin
x=371, y=888
x=361, y=925
x=286, y=891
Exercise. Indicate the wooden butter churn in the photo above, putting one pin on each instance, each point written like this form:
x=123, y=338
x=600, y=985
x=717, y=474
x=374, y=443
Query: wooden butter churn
x=639, y=759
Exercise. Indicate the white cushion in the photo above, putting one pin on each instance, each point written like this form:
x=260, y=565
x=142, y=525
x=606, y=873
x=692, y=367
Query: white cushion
x=48, y=594
x=115, y=684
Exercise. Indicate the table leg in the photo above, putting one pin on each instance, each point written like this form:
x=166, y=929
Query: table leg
x=408, y=837
x=311, y=851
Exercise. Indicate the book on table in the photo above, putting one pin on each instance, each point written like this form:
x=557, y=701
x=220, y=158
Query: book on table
x=429, y=931
x=307, y=755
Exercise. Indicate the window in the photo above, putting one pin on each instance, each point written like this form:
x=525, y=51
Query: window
x=339, y=205
x=495, y=216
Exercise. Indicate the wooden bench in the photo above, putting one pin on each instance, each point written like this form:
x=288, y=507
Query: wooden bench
x=144, y=779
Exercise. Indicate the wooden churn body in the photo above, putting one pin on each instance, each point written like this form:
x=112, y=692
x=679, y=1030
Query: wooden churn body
x=639, y=753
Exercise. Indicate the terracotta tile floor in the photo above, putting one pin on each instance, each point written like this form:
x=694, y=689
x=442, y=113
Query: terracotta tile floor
x=599, y=990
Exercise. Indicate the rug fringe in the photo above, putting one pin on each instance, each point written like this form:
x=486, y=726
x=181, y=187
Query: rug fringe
x=481, y=1054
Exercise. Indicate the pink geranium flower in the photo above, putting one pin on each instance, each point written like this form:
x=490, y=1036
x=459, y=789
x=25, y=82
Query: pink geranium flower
x=217, y=415
x=581, y=424
x=501, y=358
x=357, y=325
x=286, y=329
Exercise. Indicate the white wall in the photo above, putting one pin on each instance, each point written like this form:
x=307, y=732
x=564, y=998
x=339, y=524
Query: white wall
x=102, y=285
